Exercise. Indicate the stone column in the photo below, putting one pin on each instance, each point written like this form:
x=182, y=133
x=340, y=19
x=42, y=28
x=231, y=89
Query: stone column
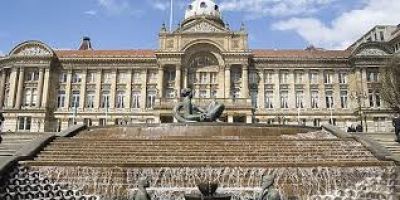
x=113, y=91
x=20, y=90
x=82, y=98
x=245, y=81
x=160, y=82
x=178, y=80
x=97, y=101
x=261, y=90
x=46, y=87
x=321, y=90
x=197, y=86
x=143, y=96
x=13, y=85
x=2, y=87
x=336, y=91
x=277, y=95
x=221, y=82
x=40, y=88
x=307, y=89
x=364, y=88
x=185, y=78
x=129, y=90
x=291, y=90
x=227, y=82
x=68, y=91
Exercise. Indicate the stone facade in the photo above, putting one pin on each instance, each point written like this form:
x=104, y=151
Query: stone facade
x=43, y=89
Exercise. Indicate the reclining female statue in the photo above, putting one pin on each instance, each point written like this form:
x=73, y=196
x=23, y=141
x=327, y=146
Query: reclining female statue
x=192, y=113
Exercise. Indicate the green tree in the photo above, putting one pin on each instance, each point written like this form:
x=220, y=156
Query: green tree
x=391, y=83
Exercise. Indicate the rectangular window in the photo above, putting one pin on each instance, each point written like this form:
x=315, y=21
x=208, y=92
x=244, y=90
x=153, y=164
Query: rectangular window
x=329, y=99
x=314, y=78
x=253, y=78
x=299, y=99
x=343, y=78
x=62, y=78
x=30, y=97
x=135, y=99
x=373, y=76
x=203, y=78
x=299, y=78
x=151, y=99
x=328, y=79
x=61, y=99
x=382, y=36
x=24, y=123
x=105, y=99
x=136, y=77
x=283, y=77
x=214, y=78
x=121, y=77
x=269, y=78
x=236, y=76
x=106, y=77
x=343, y=99
x=90, y=100
x=213, y=93
x=32, y=76
x=91, y=77
x=317, y=122
x=120, y=99
x=314, y=99
x=76, y=78
x=269, y=98
x=171, y=75
x=75, y=99
x=284, y=99
x=374, y=98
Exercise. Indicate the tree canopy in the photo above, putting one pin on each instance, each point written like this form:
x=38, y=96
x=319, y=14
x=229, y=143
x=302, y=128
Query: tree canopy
x=391, y=83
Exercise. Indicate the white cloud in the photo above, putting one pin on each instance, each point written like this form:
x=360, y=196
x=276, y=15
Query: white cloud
x=91, y=12
x=161, y=5
x=277, y=8
x=343, y=30
x=116, y=7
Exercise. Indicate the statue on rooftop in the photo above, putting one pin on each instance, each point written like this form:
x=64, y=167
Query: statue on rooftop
x=192, y=113
x=142, y=192
x=268, y=190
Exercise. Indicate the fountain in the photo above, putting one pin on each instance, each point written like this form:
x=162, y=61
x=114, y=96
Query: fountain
x=233, y=160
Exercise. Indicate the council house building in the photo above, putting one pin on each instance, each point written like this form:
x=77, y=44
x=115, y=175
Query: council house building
x=45, y=89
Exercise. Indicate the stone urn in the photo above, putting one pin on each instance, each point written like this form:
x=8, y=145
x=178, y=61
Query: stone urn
x=208, y=192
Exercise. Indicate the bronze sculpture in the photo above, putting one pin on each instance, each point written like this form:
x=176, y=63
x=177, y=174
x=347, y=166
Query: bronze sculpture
x=192, y=113
x=268, y=190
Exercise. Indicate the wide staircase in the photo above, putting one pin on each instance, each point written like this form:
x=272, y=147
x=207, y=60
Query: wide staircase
x=387, y=140
x=12, y=142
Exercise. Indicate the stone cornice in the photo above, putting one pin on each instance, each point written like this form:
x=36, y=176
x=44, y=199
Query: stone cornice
x=108, y=60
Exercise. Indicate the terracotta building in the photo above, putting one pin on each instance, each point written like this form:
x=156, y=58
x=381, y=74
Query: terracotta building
x=45, y=89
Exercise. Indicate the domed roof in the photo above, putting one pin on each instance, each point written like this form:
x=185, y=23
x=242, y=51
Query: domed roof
x=202, y=7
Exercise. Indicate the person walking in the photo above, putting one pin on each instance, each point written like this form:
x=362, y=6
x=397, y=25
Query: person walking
x=396, y=124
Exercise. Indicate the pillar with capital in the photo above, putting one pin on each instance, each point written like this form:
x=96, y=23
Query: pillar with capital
x=178, y=80
x=20, y=88
x=40, y=87
x=2, y=87
x=261, y=90
x=13, y=85
x=227, y=81
x=160, y=82
x=245, y=81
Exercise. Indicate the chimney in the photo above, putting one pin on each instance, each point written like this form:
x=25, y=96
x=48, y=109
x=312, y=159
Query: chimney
x=85, y=44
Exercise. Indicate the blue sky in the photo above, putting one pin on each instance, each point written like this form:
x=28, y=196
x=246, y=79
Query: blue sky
x=134, y=24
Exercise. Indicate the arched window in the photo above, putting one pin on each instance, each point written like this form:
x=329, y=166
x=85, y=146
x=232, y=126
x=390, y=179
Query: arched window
x=216, y=7
x=203, y=5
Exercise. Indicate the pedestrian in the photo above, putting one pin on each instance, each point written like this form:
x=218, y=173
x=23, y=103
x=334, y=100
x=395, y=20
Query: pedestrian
x=1, y=125
x=396, y=124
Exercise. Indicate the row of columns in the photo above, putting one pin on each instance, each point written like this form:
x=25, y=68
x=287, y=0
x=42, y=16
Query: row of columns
x=17, y=86
x=292, y=90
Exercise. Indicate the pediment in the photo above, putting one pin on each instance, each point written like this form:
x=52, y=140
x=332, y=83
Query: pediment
x=204, y=26
x=372, y=52
x=32, y=48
